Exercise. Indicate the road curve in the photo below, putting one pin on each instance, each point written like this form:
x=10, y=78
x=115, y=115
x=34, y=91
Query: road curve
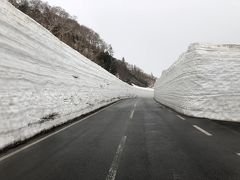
x=132, y=139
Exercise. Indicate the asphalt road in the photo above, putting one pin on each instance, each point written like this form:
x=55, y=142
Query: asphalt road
x=134, y=139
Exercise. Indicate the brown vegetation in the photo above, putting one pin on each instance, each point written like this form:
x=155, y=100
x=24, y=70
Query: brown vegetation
x=83, y=39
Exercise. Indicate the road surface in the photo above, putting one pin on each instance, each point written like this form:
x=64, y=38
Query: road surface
x=134, y=139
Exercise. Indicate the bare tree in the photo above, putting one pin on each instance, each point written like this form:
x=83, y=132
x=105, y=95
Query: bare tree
x=83, y=39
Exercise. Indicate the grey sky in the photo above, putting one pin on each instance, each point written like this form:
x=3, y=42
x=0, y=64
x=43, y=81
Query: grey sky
x=153, y=33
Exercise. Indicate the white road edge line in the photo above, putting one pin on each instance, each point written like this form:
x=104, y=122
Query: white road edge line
x=114, y=166
x=180, y=117
x=238, y=154
x=202, y=130
x=52, y=134
x=132, y=113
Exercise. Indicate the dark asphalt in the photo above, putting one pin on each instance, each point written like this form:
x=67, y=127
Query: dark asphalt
x=158, y=146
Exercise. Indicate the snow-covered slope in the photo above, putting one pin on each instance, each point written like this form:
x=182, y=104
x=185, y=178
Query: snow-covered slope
x=144, y=92
x=43, y=82
x=204, y=82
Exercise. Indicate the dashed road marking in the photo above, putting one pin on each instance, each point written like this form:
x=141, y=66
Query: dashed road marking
x=114, y=167
x=132, y=113
x=202, y=130
x=180, y=117
x=135, y=105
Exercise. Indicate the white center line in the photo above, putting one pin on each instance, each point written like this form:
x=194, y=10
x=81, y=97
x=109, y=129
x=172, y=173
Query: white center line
x=131, y=116
x=135, y=105
x=202, y=130
x=114, y=167
x=180, y=117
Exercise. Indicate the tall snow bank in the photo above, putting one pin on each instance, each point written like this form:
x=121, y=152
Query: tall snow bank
x=204, y=82
x=144, y=92
x=44, y=82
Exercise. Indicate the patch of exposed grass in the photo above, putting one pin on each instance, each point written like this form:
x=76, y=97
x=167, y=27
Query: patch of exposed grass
x=49, y=117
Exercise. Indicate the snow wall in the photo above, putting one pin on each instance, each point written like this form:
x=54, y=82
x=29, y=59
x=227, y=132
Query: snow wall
x=204, y=82
x=44, y=82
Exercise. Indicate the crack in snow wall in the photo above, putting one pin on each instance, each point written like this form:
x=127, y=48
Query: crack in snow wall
x=204, y=82
x=44, y=82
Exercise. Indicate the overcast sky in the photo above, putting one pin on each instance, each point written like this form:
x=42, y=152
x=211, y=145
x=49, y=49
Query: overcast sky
x=153, y=33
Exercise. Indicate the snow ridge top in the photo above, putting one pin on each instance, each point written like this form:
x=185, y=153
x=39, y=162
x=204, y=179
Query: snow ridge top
x=214, y=47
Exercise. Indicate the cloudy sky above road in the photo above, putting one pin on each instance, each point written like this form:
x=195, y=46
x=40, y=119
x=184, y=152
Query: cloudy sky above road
x=153, y=33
